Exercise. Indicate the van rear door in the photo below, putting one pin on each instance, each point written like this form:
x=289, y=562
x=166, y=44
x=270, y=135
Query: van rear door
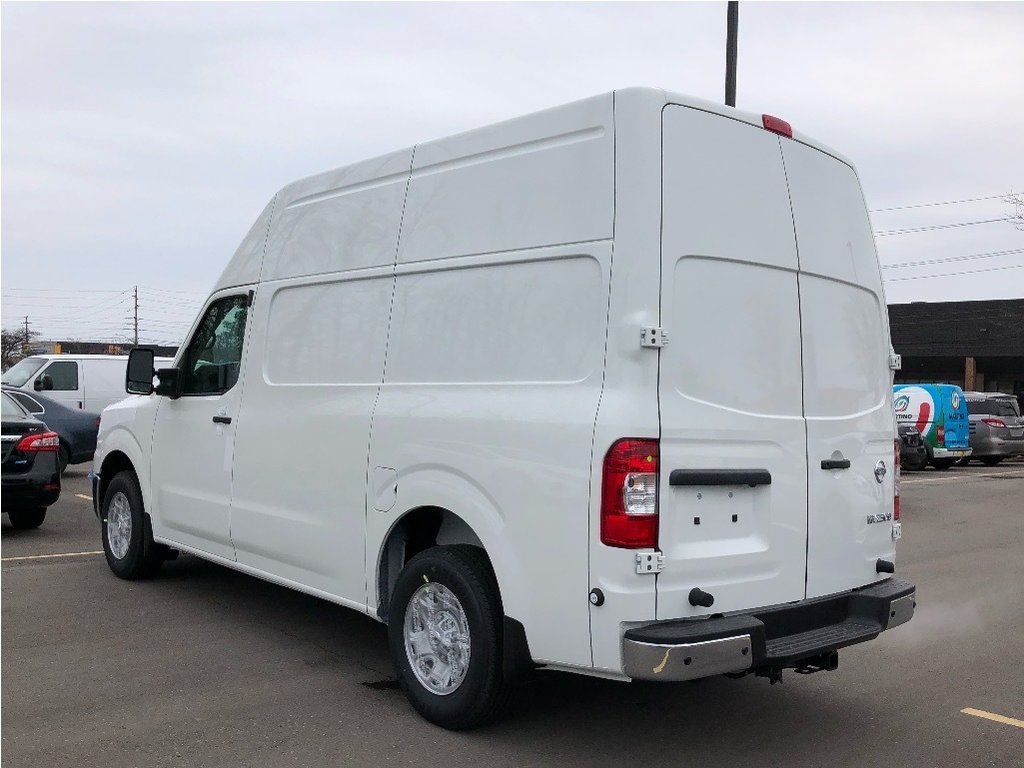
x=847, y=382
x=733, y=462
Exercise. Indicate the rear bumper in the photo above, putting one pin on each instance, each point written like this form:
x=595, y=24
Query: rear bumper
x=990, y=445
x=791, y=635
x=950, y=453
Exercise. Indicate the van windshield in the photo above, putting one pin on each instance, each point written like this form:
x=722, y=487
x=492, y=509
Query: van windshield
x=23, y=371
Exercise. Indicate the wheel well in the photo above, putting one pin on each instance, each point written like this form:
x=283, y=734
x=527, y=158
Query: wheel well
x=114, y=462
x=417, y=530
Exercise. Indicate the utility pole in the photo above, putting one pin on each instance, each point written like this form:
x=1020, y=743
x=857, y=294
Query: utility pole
x=731, y=29
x=24, y=341
x=136, y=315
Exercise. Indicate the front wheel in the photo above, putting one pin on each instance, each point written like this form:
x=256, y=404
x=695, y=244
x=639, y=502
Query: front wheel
x=127, y=536
x=445, y=637
x=26, y=519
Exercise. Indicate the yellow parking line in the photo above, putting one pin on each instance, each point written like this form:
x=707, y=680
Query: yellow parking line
x=83, y=496
x=990, y=716
x=45, y=557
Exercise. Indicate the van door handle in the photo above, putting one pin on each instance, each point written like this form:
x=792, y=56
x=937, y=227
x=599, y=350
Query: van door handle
x=221, y=419
x=835, y=463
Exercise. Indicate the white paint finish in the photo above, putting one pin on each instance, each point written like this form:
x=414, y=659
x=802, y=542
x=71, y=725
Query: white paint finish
x=383, y=488
x=510, y=458
x=347, y=318
x=300, y=462
x=192, y=459
x=544, y=179
x=730, y=380
x=847, y=380
x=342, y=220
x=499, y=322
x=629, y=399
x=247, y=262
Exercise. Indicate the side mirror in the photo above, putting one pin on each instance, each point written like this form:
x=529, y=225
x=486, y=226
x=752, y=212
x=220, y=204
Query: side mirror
x=139, y=375
x=169, y=383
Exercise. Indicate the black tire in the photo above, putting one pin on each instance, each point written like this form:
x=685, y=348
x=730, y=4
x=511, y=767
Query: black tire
x=26, y=519
x=991, y=461
x=943, y=463
x=63, y=458
x=143, y=556
x=483, y=694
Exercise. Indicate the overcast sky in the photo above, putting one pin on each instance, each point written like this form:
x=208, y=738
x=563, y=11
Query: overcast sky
x=141, y=140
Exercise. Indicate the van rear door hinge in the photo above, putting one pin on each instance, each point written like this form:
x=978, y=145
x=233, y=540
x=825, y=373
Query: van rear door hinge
x=649, y=562
x=653, y=337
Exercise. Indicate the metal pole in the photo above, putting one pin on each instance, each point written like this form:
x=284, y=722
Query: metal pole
x=136, y=315
x=732, y=29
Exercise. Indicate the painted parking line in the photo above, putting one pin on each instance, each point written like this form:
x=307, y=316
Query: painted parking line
x=83, y=496
x=992, y=716
x=47, y=557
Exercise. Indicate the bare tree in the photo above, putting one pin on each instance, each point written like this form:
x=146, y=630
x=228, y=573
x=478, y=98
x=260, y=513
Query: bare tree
x=14, y=345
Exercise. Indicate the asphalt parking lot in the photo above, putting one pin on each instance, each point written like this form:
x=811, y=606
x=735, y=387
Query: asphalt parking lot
x=207, y=667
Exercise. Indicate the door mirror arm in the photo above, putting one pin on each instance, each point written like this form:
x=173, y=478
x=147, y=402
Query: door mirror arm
x=168, y=383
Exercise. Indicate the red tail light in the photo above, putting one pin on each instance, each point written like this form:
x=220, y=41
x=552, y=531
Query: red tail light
x=940, y=434
x=629, y=494
x=777, y=125
x=41, y=442
x=995, y=422
x=896, y=485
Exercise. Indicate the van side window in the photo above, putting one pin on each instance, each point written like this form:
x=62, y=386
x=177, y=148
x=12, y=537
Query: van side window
x=211, y=362
x=64, y=374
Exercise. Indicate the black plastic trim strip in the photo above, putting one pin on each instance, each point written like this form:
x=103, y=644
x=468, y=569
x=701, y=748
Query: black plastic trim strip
x=751, y=477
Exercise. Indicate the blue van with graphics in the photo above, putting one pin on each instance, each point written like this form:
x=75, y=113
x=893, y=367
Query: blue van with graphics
x=939, y=411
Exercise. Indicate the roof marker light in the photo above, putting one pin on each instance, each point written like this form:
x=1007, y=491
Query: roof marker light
x=777, y=125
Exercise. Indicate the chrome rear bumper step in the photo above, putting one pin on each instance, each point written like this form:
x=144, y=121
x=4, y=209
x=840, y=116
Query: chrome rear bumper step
x=765, y=639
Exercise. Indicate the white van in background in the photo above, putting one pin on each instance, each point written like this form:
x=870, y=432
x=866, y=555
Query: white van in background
x=605, y=389
x=86, y=382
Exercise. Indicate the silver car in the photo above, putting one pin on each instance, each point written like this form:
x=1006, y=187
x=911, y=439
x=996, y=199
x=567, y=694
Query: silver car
x=997, y=429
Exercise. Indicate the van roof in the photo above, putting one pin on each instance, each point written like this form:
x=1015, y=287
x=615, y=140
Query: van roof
x=312, y=184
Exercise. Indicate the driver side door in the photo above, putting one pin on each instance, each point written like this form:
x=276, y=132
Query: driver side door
x=193, y=442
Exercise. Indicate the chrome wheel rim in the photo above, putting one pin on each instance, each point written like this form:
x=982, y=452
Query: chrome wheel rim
x=119, y=525
x=437, y=641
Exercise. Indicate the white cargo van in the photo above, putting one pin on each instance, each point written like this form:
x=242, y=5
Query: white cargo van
x=605, y=389
x=86, y=382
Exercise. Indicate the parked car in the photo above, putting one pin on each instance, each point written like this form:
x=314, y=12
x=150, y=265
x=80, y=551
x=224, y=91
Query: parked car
x=536, y=476
x=997, y=429
x=913, y=454
x=77, y=429
x=939, y=412
x=30, y=477
x=85, y=382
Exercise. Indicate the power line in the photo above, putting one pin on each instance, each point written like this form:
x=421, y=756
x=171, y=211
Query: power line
x=944, y=202
x=931, y=227
x=970, y=257
x=953, y=274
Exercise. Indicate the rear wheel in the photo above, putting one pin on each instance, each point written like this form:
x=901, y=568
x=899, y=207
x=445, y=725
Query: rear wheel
x=943, y=463
x=127, y=536
x=24, y=519
x=445, y=637
x=991, y=461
